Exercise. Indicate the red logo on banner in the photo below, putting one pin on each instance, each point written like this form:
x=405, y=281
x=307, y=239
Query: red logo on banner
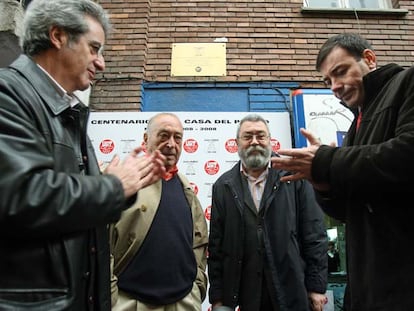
x=194, y=187
x=211, y=167
x=275, y=144
x=231, y=145
x=207, y=212
x=106, y=146
x=190, y=145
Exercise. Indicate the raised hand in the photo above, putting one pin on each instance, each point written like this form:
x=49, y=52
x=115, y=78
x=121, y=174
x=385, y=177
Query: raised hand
x=137, y=171
x=299, y=161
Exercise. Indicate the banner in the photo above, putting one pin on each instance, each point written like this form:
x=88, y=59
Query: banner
x=209, y=145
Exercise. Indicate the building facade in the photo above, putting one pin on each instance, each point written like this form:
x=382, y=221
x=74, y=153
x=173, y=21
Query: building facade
x=269, y=45
x=270, y=48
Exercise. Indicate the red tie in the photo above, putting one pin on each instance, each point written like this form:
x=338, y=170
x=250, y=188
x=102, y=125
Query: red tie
x=358, y=120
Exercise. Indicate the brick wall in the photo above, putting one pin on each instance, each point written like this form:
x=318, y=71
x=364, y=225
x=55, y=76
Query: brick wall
x=267, y=41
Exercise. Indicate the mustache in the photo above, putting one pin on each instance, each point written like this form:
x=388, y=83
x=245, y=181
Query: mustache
x=255, y=148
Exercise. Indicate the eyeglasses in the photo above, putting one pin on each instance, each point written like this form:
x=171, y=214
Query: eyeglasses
x=261, y=137
x=96, y=48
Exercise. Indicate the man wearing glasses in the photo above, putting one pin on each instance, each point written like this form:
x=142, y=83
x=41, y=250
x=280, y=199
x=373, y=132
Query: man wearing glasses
x=267, y=243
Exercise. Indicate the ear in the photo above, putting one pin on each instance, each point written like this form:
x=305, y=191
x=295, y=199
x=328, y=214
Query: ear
x=370, y=58
x=145, y=138
x=58, y=37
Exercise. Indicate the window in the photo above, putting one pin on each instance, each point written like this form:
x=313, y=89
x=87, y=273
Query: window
x=348, y=4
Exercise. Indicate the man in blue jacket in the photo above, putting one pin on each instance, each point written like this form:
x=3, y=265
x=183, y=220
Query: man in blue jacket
x=267, y=243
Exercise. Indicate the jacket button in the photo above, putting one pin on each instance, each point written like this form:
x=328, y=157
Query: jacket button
x=90, y=299
x=93, y=250
x=143, y=208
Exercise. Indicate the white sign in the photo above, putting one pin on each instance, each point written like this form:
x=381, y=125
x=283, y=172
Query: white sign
x=326, y=117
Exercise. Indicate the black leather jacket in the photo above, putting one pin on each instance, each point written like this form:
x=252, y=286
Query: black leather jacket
x=54, y=251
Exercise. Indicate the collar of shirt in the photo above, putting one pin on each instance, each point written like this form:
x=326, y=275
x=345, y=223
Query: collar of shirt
x=252, y=179
x=71, y=99
x=256, y=185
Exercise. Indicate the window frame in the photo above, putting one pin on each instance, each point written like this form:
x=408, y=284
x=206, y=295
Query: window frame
x=344, y=4
x=306, y=9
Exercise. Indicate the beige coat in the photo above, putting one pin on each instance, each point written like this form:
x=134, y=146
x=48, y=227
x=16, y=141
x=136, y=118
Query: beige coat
x=129, y=232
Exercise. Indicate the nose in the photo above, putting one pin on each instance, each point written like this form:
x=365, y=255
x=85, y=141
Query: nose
x=336, y=85
x=99, y=62
x=255, y=140
x=171, y=141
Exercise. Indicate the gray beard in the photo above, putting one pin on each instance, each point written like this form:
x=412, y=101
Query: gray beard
x=255, y=161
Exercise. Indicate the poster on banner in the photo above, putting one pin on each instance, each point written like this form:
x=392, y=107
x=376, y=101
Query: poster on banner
x=209, y=144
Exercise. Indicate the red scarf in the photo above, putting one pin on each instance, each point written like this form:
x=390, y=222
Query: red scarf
x=171, y=173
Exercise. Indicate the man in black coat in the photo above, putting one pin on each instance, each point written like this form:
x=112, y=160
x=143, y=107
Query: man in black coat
x=368, y=181
x=267, y=243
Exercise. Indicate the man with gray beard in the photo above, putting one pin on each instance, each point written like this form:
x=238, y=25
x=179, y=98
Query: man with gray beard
x=267, y=243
